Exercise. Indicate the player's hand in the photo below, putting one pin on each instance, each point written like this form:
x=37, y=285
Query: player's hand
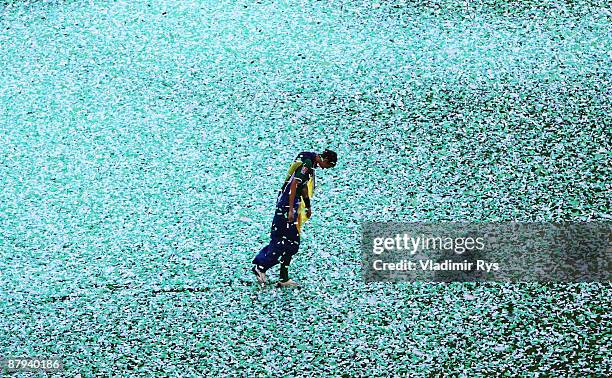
x=308, y=213
x=290, y=216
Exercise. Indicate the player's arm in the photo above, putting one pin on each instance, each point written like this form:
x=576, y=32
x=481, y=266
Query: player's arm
x=301, y=175
x=292, y=190
x=306, y=200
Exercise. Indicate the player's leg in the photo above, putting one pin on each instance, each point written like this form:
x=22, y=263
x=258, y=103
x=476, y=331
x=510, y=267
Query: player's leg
x=284, y=268
x=291, y=248
x=286, y=241
x=269, y=255
x=261, y=264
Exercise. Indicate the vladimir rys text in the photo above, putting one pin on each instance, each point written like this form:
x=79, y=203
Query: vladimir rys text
x=414, y=244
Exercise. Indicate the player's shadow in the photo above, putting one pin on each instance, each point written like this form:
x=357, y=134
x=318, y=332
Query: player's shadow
x=181, y=290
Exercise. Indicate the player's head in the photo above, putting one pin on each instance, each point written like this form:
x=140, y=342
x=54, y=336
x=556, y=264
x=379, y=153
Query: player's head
x=328, y=159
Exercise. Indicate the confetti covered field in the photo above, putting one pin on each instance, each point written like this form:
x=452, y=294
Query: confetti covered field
x=142, y=144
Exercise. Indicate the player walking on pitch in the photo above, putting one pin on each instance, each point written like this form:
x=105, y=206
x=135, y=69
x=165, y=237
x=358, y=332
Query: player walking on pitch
x=288, y=220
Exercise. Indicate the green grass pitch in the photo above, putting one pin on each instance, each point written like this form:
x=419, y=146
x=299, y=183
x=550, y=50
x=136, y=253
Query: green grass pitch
x=142, y=144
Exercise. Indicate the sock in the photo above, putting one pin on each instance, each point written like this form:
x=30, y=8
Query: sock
x=284, y=273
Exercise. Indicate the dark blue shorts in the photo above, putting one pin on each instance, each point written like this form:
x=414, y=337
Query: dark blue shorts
x=284, y=243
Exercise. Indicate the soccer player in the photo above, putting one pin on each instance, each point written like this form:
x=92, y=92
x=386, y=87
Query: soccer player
x=286, y=226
